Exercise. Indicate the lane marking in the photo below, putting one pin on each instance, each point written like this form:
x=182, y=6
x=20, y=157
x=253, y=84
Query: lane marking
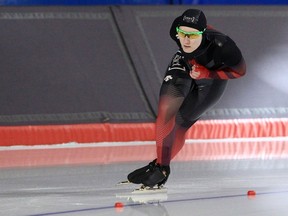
x=168, y=201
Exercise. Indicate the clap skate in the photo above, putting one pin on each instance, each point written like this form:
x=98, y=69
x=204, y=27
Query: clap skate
x=156, y=176
x=152, y=177
x=137, y=175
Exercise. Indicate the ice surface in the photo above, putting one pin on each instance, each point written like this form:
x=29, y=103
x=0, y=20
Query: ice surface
x=196, y=188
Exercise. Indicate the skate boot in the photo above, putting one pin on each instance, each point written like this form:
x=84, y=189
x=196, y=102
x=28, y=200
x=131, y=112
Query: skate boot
x=137, y=175
x=156, y=176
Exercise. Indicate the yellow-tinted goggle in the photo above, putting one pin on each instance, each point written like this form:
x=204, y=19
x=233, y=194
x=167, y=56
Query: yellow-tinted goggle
x=191, y=35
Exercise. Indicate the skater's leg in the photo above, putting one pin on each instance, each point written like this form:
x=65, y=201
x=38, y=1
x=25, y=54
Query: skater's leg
x=166, y=127
x=172, y=95
x=165, y=124
x=202, y=97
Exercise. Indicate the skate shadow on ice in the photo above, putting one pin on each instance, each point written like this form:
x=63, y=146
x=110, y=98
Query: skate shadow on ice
x=145, y=202
x=142, y=194
x=148, y=198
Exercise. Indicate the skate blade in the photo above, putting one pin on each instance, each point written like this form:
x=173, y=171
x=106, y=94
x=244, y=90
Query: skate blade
x=148, y=190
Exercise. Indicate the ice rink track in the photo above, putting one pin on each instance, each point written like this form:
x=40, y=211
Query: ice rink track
x=196, y=188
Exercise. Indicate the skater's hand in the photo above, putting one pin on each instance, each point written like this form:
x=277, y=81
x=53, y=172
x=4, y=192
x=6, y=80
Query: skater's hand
x=199, y=71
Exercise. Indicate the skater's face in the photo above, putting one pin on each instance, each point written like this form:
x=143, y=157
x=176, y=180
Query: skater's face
x=190, y=38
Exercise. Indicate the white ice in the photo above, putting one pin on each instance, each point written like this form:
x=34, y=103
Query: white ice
x=195, y=188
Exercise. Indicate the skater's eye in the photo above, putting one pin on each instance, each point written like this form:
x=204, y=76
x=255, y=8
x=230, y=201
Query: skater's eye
x=190, y=35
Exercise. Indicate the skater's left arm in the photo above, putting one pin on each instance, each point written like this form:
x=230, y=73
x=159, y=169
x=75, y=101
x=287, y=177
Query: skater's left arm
x=233, y=65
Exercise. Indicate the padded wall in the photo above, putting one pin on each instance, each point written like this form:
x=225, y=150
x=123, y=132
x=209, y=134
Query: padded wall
x=64, y=65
